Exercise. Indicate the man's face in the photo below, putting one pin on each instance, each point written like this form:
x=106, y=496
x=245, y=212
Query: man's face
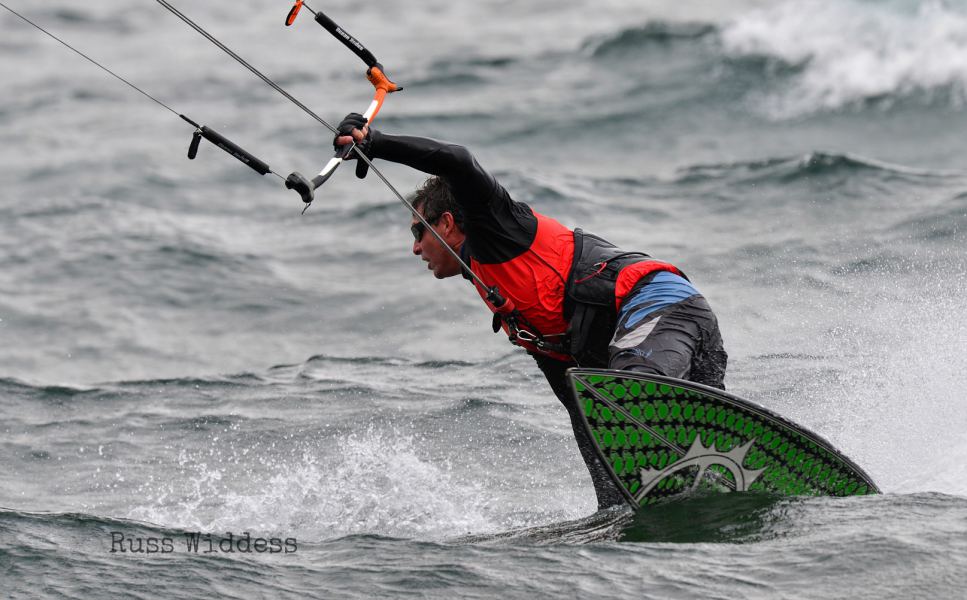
x=425, y=245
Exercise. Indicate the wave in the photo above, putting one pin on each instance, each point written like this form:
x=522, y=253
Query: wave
x=56, y=394
x=653, y=33
x=853, y=53
x=240, y=380
x=458, y=71
x=11, y=387
x=63, y=393
x=474, y=61
x=602, y=526
x=77, y=520
x=809, y=166
x=790, y=60
x=389, y=361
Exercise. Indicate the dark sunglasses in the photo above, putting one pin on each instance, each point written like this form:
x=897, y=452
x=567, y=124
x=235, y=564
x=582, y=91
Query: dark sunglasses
x=418, y=228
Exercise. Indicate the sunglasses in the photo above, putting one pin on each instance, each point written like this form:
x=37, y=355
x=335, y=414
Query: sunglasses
x=418, y=228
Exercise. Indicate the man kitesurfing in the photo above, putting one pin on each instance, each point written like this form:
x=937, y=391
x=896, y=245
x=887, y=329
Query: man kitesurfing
x=567, y=297
x=615, y=332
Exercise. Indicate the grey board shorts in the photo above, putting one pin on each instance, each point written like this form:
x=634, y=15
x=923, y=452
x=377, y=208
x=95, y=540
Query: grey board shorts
x=681, y=340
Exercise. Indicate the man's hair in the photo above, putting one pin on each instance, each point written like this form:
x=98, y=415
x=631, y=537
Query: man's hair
x=434, y=198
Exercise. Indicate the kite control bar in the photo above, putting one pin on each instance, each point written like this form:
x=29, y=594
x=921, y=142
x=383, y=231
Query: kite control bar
x=300, y=183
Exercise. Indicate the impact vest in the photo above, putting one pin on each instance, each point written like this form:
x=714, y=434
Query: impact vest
x=534, y=281
x=566, y=289
x=601, y=277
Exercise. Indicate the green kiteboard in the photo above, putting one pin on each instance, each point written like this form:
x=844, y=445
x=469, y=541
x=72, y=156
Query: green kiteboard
x=662, y=437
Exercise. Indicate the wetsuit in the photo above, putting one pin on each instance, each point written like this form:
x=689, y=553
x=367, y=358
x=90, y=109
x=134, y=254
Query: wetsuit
x=586, y=301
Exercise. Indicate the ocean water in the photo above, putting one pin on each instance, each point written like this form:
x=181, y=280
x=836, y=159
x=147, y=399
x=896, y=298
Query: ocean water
x=184, y=358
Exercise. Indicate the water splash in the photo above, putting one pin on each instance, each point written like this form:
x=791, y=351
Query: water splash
x=853, y=52
x=372, y=482
x=890, y=387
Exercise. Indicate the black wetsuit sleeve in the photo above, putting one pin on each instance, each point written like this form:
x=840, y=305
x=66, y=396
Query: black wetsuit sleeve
x=471, y=184
x=497, y=227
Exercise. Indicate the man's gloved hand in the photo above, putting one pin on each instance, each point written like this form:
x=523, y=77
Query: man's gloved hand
x=354, y=128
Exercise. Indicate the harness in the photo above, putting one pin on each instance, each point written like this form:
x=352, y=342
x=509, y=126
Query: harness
x=589, y=303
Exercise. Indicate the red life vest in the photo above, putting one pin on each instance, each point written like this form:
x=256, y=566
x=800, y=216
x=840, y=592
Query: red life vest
x=538, y=280
x=535, y=282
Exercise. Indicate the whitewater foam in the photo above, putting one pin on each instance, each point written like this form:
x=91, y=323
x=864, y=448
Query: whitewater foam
x=373, y=482
x=853, y=52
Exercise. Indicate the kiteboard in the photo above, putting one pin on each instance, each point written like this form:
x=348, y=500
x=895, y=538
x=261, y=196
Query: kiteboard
x=662, y=437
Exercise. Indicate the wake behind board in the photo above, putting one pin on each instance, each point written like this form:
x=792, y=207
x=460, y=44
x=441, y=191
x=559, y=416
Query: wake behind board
x=661, y=437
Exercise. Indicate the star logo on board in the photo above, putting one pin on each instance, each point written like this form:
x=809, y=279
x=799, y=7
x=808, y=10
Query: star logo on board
x=704, y=457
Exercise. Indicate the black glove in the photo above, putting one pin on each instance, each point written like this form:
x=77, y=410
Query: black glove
x=350, y=122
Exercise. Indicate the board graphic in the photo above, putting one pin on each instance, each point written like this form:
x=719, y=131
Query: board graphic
x=661, y=437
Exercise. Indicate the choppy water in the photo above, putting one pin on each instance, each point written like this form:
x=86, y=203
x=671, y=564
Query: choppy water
x=181, y=352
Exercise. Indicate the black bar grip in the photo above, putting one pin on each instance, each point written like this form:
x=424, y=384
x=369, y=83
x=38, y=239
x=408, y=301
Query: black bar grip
x=298, y=182
x=193, y=147
x=347, y=40
x=232, y=148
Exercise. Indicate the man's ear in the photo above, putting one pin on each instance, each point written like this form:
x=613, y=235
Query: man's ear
x=449, y=224
x=451, y=231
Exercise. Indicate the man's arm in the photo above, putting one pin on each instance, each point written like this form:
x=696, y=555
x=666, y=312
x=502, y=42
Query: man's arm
x=474, y=188
x=498, y=228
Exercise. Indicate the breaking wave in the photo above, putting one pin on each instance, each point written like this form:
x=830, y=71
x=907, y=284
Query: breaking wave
x=854, y=53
